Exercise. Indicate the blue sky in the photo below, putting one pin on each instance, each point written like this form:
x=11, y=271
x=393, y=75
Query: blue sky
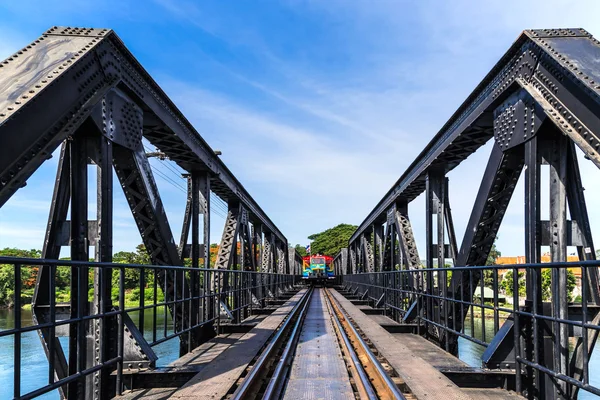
x=317, y=106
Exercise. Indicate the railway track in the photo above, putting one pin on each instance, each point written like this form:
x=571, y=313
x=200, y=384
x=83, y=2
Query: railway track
x=318, y=353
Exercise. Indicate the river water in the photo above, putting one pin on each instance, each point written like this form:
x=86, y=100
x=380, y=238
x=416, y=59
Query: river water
x=34, y=368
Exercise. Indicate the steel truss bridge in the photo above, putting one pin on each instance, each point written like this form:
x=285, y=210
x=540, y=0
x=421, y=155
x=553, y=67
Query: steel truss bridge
x=246, y=327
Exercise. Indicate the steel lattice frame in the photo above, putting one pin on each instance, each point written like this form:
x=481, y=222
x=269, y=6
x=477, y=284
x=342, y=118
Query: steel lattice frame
x=82, y=89
x=539, y=102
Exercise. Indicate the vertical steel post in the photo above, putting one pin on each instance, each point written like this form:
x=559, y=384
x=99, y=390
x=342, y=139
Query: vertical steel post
x=193, y=339
x=434, y=205
x=450, y=224
x=533, y=348
x=79, y=252
x=204, y=205
x=558, y=252
x=378, y=250
x=103, y=276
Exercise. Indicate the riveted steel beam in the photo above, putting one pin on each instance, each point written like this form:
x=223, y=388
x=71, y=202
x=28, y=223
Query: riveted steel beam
x=557, y=70
x=61, y=76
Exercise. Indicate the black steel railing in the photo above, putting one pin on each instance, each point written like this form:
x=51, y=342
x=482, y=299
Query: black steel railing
x=114, y=314
x=551, y=308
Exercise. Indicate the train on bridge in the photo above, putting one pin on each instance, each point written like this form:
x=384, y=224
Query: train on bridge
x=317, y=268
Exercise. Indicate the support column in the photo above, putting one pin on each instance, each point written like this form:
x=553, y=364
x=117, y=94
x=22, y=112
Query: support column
x=534, y=346
x=78, y=354
x=450, y=225
x=558, y=252
x=102, y=302
x=378, y=250
x=435, y=206
x=353, y=258
x=586, y=251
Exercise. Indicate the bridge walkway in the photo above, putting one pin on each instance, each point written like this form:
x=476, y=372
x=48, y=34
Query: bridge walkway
x=419, y=363
x=211, y=370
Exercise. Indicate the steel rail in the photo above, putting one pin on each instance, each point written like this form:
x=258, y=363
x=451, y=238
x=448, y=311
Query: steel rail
x=363, y=384
x=255, y=373
x=276, y=384
x=383, y=384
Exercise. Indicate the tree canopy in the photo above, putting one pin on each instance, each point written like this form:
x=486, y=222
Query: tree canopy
x=494, y=254
x=301, y=250
x=330, y=241
x=139, y=256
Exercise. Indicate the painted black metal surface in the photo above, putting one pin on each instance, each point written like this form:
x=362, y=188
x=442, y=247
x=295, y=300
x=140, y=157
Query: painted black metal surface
x=538, y=103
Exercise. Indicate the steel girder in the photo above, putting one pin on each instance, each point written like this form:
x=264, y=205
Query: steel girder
x=367, y=259
x=555, y=65
x=378, y=235
x=295, y=262
x=52, y=243
x=268, y=258
x=198, y=203
x=352, y=251
x=398, y=228
x=341, y=262
x=389, y=241
x=497, y=186
x=188, y=215
x=87, y=145
x=545, y=88
x=228, y=246
x=450, y=225
x=88, y=92
x=407, y=242
x=78, y=67
x=281, y=259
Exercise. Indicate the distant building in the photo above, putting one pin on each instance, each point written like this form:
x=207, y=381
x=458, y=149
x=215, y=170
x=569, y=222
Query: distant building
x=545, y=259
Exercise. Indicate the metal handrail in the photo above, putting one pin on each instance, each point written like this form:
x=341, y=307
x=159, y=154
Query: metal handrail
x=432, y=304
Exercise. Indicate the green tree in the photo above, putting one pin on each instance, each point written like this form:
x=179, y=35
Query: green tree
x=139, y=256
x=507, y=283
x=301, y=250
x=547, y=284
x=494, y=254
x=132, y=275
x=7, y=275
x=330, y=241
x=488, y=275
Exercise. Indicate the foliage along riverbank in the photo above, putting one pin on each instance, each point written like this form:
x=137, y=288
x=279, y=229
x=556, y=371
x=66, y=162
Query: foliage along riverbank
x=29, y=275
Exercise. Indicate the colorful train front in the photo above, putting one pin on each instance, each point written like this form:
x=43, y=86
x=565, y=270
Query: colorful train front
x=317, y=267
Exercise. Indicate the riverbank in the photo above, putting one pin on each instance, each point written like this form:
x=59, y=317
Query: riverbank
x=132, y=298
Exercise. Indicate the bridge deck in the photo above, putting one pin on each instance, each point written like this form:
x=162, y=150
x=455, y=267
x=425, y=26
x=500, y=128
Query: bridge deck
x=188, y=367
x=181, y=370
x=428, y=351
x=415, y=359
x=318, y=370
x=217, y=378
